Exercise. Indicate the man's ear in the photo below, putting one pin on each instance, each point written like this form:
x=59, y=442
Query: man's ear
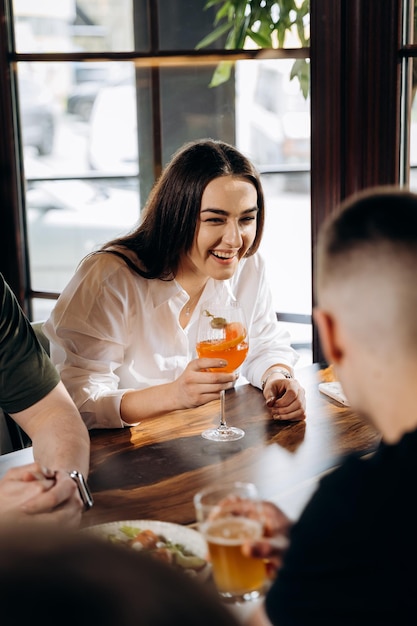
x=327, y=328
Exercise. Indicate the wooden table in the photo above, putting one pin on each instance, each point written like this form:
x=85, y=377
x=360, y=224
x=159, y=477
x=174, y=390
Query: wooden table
x=153, y=470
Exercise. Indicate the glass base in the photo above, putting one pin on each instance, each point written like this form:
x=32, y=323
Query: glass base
x=229, y=433
x=240, y=598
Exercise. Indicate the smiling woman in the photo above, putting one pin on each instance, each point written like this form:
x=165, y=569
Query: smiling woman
x=123, y=332
x=225, y=232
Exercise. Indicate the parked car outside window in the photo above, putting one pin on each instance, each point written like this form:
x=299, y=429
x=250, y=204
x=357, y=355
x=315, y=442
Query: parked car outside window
x=37, y=115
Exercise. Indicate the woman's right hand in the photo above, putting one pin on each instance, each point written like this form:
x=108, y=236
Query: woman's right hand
x=194, y=387
x=197, y=385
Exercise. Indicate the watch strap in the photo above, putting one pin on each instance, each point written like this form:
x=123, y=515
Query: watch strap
x=83, y=489
x=277, y=370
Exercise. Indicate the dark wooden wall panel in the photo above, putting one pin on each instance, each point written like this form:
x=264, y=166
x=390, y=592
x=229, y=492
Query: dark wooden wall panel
x=355, y=101
x=11, y=244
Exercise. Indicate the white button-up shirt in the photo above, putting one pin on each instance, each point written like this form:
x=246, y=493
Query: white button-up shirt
x=112, y=330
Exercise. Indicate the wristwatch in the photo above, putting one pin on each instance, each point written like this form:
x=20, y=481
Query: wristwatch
x=277, y=370
x=83, y=489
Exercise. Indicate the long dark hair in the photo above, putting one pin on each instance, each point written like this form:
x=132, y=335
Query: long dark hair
x=169, y=220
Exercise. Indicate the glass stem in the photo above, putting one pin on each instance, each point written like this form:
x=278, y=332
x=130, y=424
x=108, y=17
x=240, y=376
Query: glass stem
x=223, y=424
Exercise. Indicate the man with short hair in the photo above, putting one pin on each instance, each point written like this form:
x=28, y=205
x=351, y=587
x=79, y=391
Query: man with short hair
x=352, y=554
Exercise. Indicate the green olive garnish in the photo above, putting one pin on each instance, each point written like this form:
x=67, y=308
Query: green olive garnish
x=216, y=322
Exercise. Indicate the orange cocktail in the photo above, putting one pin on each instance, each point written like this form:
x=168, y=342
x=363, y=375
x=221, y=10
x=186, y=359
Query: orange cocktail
x=232, y=347
x=222, y=334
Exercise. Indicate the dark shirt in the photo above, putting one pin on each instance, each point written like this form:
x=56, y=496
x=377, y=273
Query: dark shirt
x=353, y=553
x=26, y=373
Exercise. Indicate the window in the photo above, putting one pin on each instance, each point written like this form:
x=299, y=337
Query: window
x=81, y=59
x=89, y=127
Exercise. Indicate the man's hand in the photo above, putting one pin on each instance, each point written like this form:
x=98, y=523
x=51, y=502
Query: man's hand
x=34, y=493
x=272, y=546
x=276, y=527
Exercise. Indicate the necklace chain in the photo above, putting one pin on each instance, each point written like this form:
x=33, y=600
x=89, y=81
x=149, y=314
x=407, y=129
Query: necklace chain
x=191, y=303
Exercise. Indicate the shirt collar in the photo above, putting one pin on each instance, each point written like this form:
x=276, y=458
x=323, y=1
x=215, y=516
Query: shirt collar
x=161, y=291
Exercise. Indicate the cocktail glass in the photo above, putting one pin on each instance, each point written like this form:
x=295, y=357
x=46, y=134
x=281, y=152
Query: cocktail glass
x=222, y=333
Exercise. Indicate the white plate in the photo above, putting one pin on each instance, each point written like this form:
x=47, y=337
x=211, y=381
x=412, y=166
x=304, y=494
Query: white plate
x=191, y=539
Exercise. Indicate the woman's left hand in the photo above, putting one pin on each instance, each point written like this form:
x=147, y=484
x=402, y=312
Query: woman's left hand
x=285, y=397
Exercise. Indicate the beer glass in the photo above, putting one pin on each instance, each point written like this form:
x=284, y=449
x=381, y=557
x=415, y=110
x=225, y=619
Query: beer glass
x=228, y=516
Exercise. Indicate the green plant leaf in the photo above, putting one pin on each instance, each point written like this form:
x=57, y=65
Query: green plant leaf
x=301, y=71
x=260, y=39
x=221, y=74
x=211, y=37
x=258, y=20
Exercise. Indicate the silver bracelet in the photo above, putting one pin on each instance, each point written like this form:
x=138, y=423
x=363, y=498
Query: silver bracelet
x=276, y=370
